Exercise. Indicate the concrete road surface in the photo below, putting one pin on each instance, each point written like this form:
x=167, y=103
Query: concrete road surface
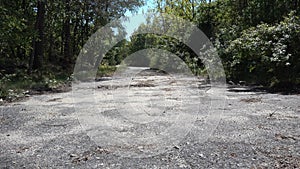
x=151, y=120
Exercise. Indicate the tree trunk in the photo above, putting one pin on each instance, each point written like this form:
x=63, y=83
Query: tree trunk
x=50, y=50
x=38, y=47
x=67, y=35
x=75, y=38
x=296, y=3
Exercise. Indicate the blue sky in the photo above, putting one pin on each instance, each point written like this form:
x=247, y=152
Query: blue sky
x=148, y=5
x=136, y=18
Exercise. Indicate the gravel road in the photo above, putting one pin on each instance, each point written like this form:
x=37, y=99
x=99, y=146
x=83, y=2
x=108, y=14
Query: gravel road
x=154, y=121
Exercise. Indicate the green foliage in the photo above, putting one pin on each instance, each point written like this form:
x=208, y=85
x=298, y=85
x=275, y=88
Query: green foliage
x=257, y=40
x=266, y=54
x=17, y=85
x=54, y=32
x=187, y=9
x=115, y=55
x=154, y=60
x=163, y=42
x=16, y=34
x=58, y=35
x=106, y=70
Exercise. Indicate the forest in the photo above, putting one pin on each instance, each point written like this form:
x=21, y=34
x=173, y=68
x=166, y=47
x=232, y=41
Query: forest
x=258, y=41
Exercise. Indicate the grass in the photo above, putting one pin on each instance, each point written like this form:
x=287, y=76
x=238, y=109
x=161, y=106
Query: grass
x=106, y=70
x=18, y=85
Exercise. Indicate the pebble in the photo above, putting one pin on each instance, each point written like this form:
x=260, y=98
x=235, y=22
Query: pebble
x=201, y=155
x=73, y=155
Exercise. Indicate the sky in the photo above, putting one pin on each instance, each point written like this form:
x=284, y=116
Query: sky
x=135, y=19
x=148, y=5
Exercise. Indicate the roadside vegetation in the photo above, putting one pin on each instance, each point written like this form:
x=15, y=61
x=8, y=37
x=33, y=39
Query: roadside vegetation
x=258, y=41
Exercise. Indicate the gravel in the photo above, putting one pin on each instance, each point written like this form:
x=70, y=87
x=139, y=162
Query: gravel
x=241, y=129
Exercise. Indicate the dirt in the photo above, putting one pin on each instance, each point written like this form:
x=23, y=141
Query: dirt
x=252, y=130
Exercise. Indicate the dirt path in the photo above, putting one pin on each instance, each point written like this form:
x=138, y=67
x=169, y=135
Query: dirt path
x=152, y=122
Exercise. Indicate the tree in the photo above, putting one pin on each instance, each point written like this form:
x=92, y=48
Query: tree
x=186, y=9
x=267, y=54
x=67, y=34
x=16, y=34
x=38, y=44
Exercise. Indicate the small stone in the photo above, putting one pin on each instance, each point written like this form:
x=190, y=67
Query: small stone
x=73, y=155
x=26, y=92
x=85, y=158
x=242, y=82
x=176, y=147
x=140, y=148
x=182, y=166
x=231, y=83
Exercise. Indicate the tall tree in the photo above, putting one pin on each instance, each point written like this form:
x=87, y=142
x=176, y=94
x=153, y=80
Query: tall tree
x=38, y=44
x=67, y=34
x=186, y=9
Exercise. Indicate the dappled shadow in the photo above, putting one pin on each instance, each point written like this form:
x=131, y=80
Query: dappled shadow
x=103, y=79
x=260, y=89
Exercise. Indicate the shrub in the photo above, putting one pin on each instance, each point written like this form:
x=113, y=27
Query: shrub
x=266, y=54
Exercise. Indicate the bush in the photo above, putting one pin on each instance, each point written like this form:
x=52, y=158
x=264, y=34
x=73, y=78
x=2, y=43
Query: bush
x=266, y=54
